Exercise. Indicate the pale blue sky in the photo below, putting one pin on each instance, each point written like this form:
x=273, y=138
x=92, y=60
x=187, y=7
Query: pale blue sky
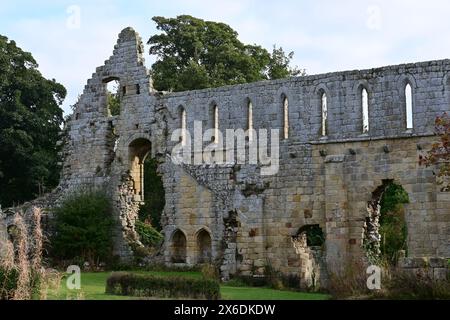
x=326, y=35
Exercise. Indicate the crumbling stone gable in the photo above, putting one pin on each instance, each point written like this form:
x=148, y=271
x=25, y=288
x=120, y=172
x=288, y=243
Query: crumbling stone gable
x=252, y=219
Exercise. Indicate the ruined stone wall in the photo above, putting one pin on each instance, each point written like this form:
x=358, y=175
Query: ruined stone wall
x=251, y=218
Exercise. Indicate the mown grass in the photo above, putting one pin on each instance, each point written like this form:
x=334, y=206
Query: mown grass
x=93, y=288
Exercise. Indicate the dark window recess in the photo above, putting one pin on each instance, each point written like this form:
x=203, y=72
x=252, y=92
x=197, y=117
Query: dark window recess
x=138, y=89
x=124, y=90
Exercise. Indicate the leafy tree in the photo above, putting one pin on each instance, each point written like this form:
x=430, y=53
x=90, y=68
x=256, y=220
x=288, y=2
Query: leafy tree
x=30, y=121
x=440, y=151
x=196, y=54
x=83, y=227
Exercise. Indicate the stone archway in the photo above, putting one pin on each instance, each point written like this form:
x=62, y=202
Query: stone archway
x=178, y=247
x=204, y=247
x=139, y=149
x=385, y=225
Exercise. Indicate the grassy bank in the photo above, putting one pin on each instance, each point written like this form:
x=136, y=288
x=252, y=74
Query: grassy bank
x=93, y=288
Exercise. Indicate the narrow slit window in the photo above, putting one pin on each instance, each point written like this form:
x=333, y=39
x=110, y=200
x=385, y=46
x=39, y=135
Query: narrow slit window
x=409, y=107
x=324, y=114
x=250, y=120
x=183, y=126
x=286, y=117
x=365, y=110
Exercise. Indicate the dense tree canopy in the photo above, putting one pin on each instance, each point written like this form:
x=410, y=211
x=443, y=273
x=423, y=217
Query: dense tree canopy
x=195, y=54
x=30, y=121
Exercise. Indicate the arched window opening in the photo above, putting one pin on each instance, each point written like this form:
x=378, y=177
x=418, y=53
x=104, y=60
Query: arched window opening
x=178, y=247
x=409, y=107
x=250, y=120
x=385, y=229
x=138, y=152
x=365, y=110
x=286, y=117
x=324, y=104
x=183, y=125
x=216, y=123
x=204, y=247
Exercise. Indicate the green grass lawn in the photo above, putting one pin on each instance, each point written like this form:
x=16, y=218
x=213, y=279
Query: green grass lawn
x=93, y=288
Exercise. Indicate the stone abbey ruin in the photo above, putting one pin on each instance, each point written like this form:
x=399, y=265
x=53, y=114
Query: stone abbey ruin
x=332, y=170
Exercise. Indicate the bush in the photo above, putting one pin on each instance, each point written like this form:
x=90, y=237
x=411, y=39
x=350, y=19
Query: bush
x=410, y=286
x=129, y=284
x=83, y=227
x=147, y=234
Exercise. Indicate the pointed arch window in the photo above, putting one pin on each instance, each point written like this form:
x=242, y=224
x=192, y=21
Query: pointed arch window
x=183, y=125
x=365, y=110
x=409, y=106
x=250, y=119
x=216, y=123
x=285, y=117
x=324, y=104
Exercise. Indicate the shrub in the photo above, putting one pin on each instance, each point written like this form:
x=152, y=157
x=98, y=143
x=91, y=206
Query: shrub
x=351, y=282
x=129, y=284
x=210, y=271
x=411, y=286
x=147, y=234
x=83, y=227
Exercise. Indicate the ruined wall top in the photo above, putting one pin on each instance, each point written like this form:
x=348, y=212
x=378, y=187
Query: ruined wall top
x=429, y=81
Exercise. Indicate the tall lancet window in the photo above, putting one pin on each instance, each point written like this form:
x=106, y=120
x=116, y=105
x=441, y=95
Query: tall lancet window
x=250, y=120
x=324, y=114
x=216, y=124
x=183, y=126
x=409, y=107
x=365, y=110
x=286, y=117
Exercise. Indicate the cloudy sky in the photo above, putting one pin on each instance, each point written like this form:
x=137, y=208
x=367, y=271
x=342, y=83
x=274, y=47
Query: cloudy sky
x=326, y=35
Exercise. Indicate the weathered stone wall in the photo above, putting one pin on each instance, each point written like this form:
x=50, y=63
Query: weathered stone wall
x=251, y=218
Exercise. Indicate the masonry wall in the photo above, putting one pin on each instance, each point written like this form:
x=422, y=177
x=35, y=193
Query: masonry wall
x=252, y=219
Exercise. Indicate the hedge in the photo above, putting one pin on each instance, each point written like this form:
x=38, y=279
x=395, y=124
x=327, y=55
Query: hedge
x=129, y=284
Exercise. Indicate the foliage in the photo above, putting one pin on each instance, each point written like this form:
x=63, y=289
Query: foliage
x=440, y=151
x=393, y=229
x=113, y=101
x=154, y=195
x=129, y=284
x=210, y=271
x=350, y=282
x=314, y=235
x=83, y=227
x=113, y=97
x=420, y=286
x=30, y=122
x=196, y=54
x=8, y=283
x=21, y=273
x=147, y=234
